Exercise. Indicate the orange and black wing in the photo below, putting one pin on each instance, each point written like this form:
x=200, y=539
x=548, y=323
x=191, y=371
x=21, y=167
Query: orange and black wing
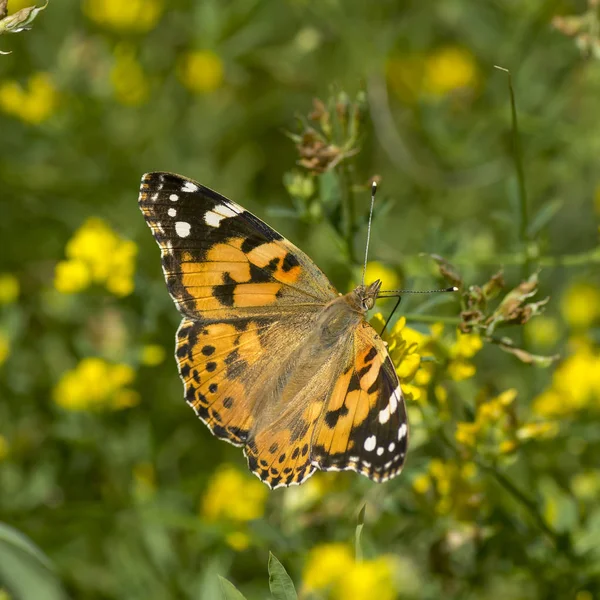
x=222, y=263
x=246, y=293
x=363, y=426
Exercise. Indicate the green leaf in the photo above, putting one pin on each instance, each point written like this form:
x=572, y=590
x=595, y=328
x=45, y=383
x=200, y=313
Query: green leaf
x=357, y=534
x=24, y=569
x=230, y=592
x=280, y=584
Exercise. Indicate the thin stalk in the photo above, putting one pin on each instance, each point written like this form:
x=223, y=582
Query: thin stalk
x=517, y=156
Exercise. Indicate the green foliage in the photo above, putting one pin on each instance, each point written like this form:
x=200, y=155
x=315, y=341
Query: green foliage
x=280, y=584
x=491, y=188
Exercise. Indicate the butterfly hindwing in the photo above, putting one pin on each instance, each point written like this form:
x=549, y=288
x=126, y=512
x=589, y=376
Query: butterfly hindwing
x=363, y=427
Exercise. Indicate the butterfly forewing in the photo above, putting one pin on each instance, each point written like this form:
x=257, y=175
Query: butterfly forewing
x=219, y=260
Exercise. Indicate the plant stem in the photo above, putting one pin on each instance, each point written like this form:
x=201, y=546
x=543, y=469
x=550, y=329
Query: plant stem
x=517, y=156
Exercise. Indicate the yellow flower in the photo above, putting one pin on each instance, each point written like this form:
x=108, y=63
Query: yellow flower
x=234, y=496
x=422, y=483
x=128, y=79
x=458, y=370
x=575, y=385
x=466, y=433
x=71, y=276
x=3, y=448
x=152, y=355
x=377, y=270
x=34, y=104
x=96, y=384
x=4, y=348
x=544, y=429
x=326, y=565
x=456, y=490
x=332, y=567
x=97, y=254
x=580, y=305
x=133, y=15
x=366, y=580
x=543, y=331
x=201, y=71
x=238, y=540
x=449, y=69
x=467, y=345
x=9, y=288
x=403, y=348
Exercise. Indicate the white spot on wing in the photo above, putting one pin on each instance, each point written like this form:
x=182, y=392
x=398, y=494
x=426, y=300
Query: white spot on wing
x=402, y=431
x=182, y=229
x=379, y=451
x=384, y=415
x=172, y=212
x=370, y=443
x=173, y=197
x=213, y=219
x=218, y=213
x=391, y=447
x=188, y=186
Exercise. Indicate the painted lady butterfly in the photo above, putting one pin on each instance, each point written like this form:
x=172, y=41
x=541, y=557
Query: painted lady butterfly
x=272, y=357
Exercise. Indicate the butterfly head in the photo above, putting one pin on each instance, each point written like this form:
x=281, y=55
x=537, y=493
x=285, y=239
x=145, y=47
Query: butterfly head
x=364, y=296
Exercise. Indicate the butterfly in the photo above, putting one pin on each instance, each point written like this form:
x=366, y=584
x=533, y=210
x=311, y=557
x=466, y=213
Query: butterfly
x=272, y=357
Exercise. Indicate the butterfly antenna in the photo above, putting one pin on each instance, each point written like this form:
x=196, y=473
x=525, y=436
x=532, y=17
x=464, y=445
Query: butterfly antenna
x=373, y=192
x=396, y=293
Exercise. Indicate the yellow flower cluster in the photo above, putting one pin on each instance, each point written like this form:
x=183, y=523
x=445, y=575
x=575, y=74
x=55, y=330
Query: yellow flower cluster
x=130, y=84
x=34, y=103
x=96, y=254
x=133, y=15
x=452, y=488
x=494, y=432
x=575, y=385
x=403, y=345
x=201, y=71
x=9, y=288
x=96, y=384
x=234, y=498
x=466, y=346
x=453, y=352
x=437, y=74
x=331, y=568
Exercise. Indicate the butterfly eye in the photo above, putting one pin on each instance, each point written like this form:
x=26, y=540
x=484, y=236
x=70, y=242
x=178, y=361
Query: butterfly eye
x=367, y=303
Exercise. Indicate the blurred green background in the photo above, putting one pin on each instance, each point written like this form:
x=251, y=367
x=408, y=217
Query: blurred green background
x=109, y=486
